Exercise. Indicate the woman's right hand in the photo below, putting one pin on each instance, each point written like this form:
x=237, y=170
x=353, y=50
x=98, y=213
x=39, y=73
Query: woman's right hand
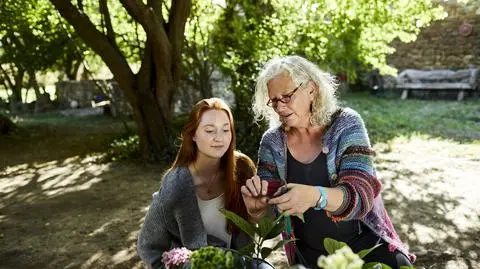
x=254, y=194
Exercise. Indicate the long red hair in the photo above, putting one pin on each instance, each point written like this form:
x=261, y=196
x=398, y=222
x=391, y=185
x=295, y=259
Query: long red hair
x=187, y=154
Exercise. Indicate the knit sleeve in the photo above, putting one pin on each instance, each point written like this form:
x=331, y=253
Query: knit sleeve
x=356, y=173
x=154, y=239
x=266, y=167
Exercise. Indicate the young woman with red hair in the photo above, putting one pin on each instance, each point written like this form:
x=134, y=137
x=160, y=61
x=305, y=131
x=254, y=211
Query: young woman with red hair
x=202, y=180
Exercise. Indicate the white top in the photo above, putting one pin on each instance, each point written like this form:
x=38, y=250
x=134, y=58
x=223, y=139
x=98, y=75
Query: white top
x=214, y=222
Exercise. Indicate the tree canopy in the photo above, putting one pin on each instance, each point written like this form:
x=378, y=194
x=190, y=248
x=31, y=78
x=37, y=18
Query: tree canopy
x=341, y=36
x=154, y=47
x=34, y=39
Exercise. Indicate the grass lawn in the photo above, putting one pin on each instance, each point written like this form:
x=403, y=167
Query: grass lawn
x=390, y=118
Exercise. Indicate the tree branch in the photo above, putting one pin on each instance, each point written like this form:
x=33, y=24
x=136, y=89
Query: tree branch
x=144, y=75
x=154, y=28
x=179, y=13
x=108, y=22
x=110, y=54
x=157, y=8
x=80, y=5
x=7, y=77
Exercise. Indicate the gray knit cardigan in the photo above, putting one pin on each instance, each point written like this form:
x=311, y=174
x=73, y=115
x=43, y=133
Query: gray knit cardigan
x=174, y=220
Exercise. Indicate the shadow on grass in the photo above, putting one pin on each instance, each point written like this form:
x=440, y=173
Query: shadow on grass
x=433, y=221
x=45, y=138
x=73, y=213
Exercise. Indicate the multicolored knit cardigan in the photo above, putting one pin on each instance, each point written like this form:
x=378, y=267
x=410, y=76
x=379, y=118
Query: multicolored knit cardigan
x=350, y=167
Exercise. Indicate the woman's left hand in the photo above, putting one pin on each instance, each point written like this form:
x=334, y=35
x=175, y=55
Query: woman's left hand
x=298, y=199
x=254, y=194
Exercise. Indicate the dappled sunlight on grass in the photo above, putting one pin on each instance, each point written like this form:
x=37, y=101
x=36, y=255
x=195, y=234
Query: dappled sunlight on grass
x=74, y=207
x=103, y=228
x=125, y=258
x=122, y=258
x=49, y=137
x=124, y=255
x=426, y=234
x=8, y=185
x=51, y=178
x=94, y=258
x=62, y=208
x=430, y=189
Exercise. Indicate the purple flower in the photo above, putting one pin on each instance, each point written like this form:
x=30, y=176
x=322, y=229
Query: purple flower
x=175, y=257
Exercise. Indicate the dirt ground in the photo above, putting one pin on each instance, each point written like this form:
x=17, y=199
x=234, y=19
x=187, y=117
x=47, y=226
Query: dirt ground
x=62, y=208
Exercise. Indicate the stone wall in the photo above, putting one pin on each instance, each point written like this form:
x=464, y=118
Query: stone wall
x=73, y=94
x=80, y=94
x=441, y=45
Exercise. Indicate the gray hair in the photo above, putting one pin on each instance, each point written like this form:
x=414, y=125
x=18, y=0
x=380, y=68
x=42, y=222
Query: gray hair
x=300, y=70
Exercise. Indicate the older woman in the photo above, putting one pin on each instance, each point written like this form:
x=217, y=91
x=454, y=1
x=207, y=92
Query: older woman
x=322, y=154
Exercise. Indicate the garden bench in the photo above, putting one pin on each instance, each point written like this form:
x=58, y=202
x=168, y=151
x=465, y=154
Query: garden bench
x=462, y=81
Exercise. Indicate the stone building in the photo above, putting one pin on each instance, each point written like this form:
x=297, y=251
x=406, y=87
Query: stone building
x=77, y=94
x=91, y=93
x=451, y=43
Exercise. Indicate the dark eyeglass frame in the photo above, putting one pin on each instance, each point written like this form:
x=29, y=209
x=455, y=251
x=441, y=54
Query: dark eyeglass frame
x=285, y=98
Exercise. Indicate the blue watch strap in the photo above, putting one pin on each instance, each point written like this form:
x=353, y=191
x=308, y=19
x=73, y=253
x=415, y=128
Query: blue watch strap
x=322, y=202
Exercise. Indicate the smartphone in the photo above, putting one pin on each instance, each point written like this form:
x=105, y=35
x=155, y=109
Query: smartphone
x=273, y=187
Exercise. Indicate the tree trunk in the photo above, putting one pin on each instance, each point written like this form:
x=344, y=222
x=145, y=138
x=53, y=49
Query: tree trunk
x=72, y=65
x=154, y=124
x=41, y=100
x=150, y=91
x=16, y=100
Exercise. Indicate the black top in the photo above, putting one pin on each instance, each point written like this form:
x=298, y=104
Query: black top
x=317, y=224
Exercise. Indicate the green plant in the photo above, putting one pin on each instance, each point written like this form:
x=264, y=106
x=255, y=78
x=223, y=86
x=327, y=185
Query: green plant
x=267, y=228
x=341, y=256
x=123, y=148
x=212, y=257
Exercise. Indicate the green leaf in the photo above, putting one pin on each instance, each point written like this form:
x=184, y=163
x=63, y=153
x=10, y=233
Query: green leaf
x=375, y=265
x=265, y=226
x=363, y=253
x=268, y=228
x=332, y=245
x=276, y=231
x=241, y=223
x=406, y=267
x=265, y=252
x=248, y=249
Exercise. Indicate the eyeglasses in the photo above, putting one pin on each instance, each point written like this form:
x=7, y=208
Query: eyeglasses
x=284, y=99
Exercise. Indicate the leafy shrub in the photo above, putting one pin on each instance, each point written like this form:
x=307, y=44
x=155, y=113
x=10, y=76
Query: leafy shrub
x=212, y=257
x=123, y=148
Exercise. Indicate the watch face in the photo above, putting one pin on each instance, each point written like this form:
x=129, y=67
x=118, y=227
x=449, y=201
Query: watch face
x=320, y=201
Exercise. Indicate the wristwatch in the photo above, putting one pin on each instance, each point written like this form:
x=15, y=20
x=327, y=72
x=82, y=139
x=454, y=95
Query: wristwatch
x=322, y=201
